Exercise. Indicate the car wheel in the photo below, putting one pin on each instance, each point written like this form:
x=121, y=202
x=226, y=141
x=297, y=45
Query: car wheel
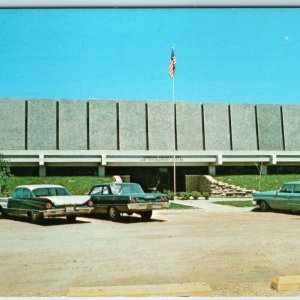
x=113, y=213
x=36, y=217
x=71, y=219
x=264, y=206
x=146, y=216
x=3, y=214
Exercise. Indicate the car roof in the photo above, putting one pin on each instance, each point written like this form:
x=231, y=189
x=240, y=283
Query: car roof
x=37, y=186
x=293, y=182
x=111, y=183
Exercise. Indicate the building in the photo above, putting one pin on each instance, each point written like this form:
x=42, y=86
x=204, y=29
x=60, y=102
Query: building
x=137, y=138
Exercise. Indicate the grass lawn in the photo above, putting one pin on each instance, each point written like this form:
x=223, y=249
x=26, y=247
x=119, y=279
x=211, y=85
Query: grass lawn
x=236, y=203
x=76, y=185
x=179, y=206
x=267, y=182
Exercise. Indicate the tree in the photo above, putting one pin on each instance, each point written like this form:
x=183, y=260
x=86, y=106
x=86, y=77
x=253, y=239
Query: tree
x=4, y=174
x=259, y=167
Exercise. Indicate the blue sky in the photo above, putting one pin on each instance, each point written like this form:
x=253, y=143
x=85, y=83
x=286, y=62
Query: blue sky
x=230, y=55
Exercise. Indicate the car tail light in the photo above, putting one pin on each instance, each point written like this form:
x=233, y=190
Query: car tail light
x=134, y=199
x=163, y=199
x=90, y=203
x=48, y=205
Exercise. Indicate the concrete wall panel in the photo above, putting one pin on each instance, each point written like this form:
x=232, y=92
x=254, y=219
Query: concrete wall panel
x=243, y=127
x=72, y=125
x=189, y=126
x=132, y=125
x=103, y=125
x=216, y=126
x=269, y=127
x=41, y=125
x=291, y=125
x=12, y=124
x=161, y=125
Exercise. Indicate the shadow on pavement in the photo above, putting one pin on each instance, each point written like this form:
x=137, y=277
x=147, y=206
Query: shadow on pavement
x=123, y=219
x=45, y=222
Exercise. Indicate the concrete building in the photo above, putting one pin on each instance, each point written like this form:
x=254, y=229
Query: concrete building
x=104, y=137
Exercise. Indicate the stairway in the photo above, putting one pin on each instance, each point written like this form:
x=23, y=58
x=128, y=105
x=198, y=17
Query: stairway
x=222, y=189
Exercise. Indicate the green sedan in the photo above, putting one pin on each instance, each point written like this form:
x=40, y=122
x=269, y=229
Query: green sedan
x=126, y=198
x=286, y=198
x=45, y=201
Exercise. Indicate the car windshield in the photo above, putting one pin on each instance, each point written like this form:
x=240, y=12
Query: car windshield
x=42, y=192
x=130, y=188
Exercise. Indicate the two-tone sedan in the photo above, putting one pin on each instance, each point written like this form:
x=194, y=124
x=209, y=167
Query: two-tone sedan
x=119, y=198
x=286, y=198
x=46, y=201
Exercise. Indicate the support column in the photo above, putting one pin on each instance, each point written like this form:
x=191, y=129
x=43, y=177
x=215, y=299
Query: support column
x=264, y=170
x=42, y=171
x=101, y=171
x=212, y=170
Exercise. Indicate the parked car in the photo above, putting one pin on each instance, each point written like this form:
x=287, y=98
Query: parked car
x=118, y=198
x=46, y=201
x=286, y=198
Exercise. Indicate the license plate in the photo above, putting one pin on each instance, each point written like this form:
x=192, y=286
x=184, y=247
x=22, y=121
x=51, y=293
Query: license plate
x=69, y=209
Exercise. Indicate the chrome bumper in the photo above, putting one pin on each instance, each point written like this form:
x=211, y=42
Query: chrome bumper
x=148, y=206
x=66, y=212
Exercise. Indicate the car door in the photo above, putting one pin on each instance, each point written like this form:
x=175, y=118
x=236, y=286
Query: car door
x=26, y=201
x=283, y=198
x=295, y=197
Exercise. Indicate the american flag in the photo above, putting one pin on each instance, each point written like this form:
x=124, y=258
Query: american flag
x=172, y=64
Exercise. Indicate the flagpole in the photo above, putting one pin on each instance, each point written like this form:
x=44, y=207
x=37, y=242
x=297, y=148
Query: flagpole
x=172, y=74
x=174, y=152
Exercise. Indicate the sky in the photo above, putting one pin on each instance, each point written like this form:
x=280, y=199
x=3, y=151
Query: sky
x=227, y=55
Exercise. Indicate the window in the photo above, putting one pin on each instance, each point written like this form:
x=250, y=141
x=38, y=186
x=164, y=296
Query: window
x=105, y=190
x=17, y=193
x=41, y=192
x=62, y=192
x=26, y=193
x=297, y=188
x=97, y=190
x=287, y=188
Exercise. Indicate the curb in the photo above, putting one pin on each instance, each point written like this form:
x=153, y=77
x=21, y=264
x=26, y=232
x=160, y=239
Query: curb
x=160, y=290
x=286, y=283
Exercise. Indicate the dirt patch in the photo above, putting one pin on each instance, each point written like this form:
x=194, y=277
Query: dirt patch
x=237, y=254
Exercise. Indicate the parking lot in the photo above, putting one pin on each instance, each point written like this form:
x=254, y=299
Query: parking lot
x=236, y=253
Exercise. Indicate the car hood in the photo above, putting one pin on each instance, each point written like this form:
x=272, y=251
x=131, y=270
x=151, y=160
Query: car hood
x=68, y=200
x=268, y=193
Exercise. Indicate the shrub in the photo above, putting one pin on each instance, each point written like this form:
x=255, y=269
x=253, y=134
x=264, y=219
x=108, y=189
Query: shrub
x=4, y=174
x=196, y=194
x=206, y=195
x=184, y=195
x=170, y=194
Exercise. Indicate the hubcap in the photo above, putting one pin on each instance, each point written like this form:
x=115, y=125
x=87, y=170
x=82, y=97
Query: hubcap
x=112, y=212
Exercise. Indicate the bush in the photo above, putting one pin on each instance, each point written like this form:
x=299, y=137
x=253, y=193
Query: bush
x=184, y=195
x=206, y=195
x=170, y=194
x=4, y=174
x=196, y=194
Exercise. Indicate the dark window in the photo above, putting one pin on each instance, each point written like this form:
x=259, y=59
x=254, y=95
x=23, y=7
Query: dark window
x=26, y=193
x=18, y=193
